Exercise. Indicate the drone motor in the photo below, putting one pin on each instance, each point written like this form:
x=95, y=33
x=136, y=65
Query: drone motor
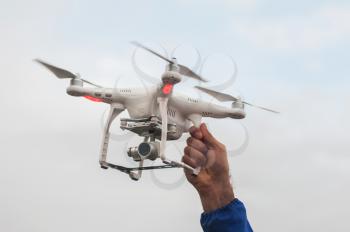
x=238, y=104
x=76, y=82
x=171, y=77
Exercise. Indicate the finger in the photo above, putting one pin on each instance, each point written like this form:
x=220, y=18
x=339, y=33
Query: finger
x=189, y=161
x=195, y=132
x=197, y=144
x=197, y=157
x=211, y=159
x=208, y=138
x=188, y=172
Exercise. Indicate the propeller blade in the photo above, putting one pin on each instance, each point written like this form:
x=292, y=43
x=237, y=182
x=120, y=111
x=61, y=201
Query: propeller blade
x=163, y=103
x=59, y=72
x=137, y=44
x=62, y=73
x=223, y=97
x=188, y=72
x=260, y=107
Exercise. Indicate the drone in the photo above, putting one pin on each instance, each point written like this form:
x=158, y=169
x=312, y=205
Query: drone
x=157, y=114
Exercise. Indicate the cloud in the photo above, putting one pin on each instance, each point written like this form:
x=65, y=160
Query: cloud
x=234, y=4
x=241, y=3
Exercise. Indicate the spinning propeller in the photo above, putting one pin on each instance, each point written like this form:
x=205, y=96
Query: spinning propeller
x=223, y=97
x=183, y=70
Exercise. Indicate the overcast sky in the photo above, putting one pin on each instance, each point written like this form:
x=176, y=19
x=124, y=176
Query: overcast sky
x=292, y=56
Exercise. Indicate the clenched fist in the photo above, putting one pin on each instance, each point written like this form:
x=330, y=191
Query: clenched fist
x=213, y=181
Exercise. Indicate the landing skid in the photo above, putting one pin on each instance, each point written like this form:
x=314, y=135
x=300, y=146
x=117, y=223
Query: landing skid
x=128, y=169
x=131, y=171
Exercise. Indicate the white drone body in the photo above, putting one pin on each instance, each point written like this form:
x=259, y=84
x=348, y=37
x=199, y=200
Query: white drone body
x=156, y=113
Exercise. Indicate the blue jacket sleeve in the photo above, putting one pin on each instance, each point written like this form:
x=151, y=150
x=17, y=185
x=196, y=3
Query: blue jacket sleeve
x=230, y=218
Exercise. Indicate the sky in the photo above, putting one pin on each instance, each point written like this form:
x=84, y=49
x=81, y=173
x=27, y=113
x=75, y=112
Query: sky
x=291, y=170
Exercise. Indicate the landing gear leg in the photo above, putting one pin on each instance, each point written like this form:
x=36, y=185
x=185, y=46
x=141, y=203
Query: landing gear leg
x=113, y=113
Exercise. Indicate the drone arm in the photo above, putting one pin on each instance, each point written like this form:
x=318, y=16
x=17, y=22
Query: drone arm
x=75, y=90
x=115, y=110
x=94, y=94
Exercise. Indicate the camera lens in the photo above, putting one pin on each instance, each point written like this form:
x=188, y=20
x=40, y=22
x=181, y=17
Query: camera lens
x=144, y=149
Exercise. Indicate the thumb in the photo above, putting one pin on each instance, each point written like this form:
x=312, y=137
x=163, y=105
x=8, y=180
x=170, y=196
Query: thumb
x=208, y=138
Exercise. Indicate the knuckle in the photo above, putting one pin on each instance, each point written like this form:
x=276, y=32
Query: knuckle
x=189, y=140
x=187, y=150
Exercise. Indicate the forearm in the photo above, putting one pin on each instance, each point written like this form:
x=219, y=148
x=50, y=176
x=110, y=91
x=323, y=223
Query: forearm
x=216, y=197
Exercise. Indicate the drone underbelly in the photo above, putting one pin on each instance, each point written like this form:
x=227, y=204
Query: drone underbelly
x=140, y=108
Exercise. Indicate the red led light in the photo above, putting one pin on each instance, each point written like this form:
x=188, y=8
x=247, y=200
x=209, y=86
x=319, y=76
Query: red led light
x=94, y=99
x=167, y=88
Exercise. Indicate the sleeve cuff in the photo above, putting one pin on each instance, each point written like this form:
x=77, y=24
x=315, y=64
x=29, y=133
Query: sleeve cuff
x=232, y=216
x=234, y=203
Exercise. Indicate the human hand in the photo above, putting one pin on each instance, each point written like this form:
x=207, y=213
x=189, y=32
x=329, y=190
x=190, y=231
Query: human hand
x=213, y=181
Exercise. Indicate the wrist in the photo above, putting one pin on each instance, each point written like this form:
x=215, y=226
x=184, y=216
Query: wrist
x=217, y=196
